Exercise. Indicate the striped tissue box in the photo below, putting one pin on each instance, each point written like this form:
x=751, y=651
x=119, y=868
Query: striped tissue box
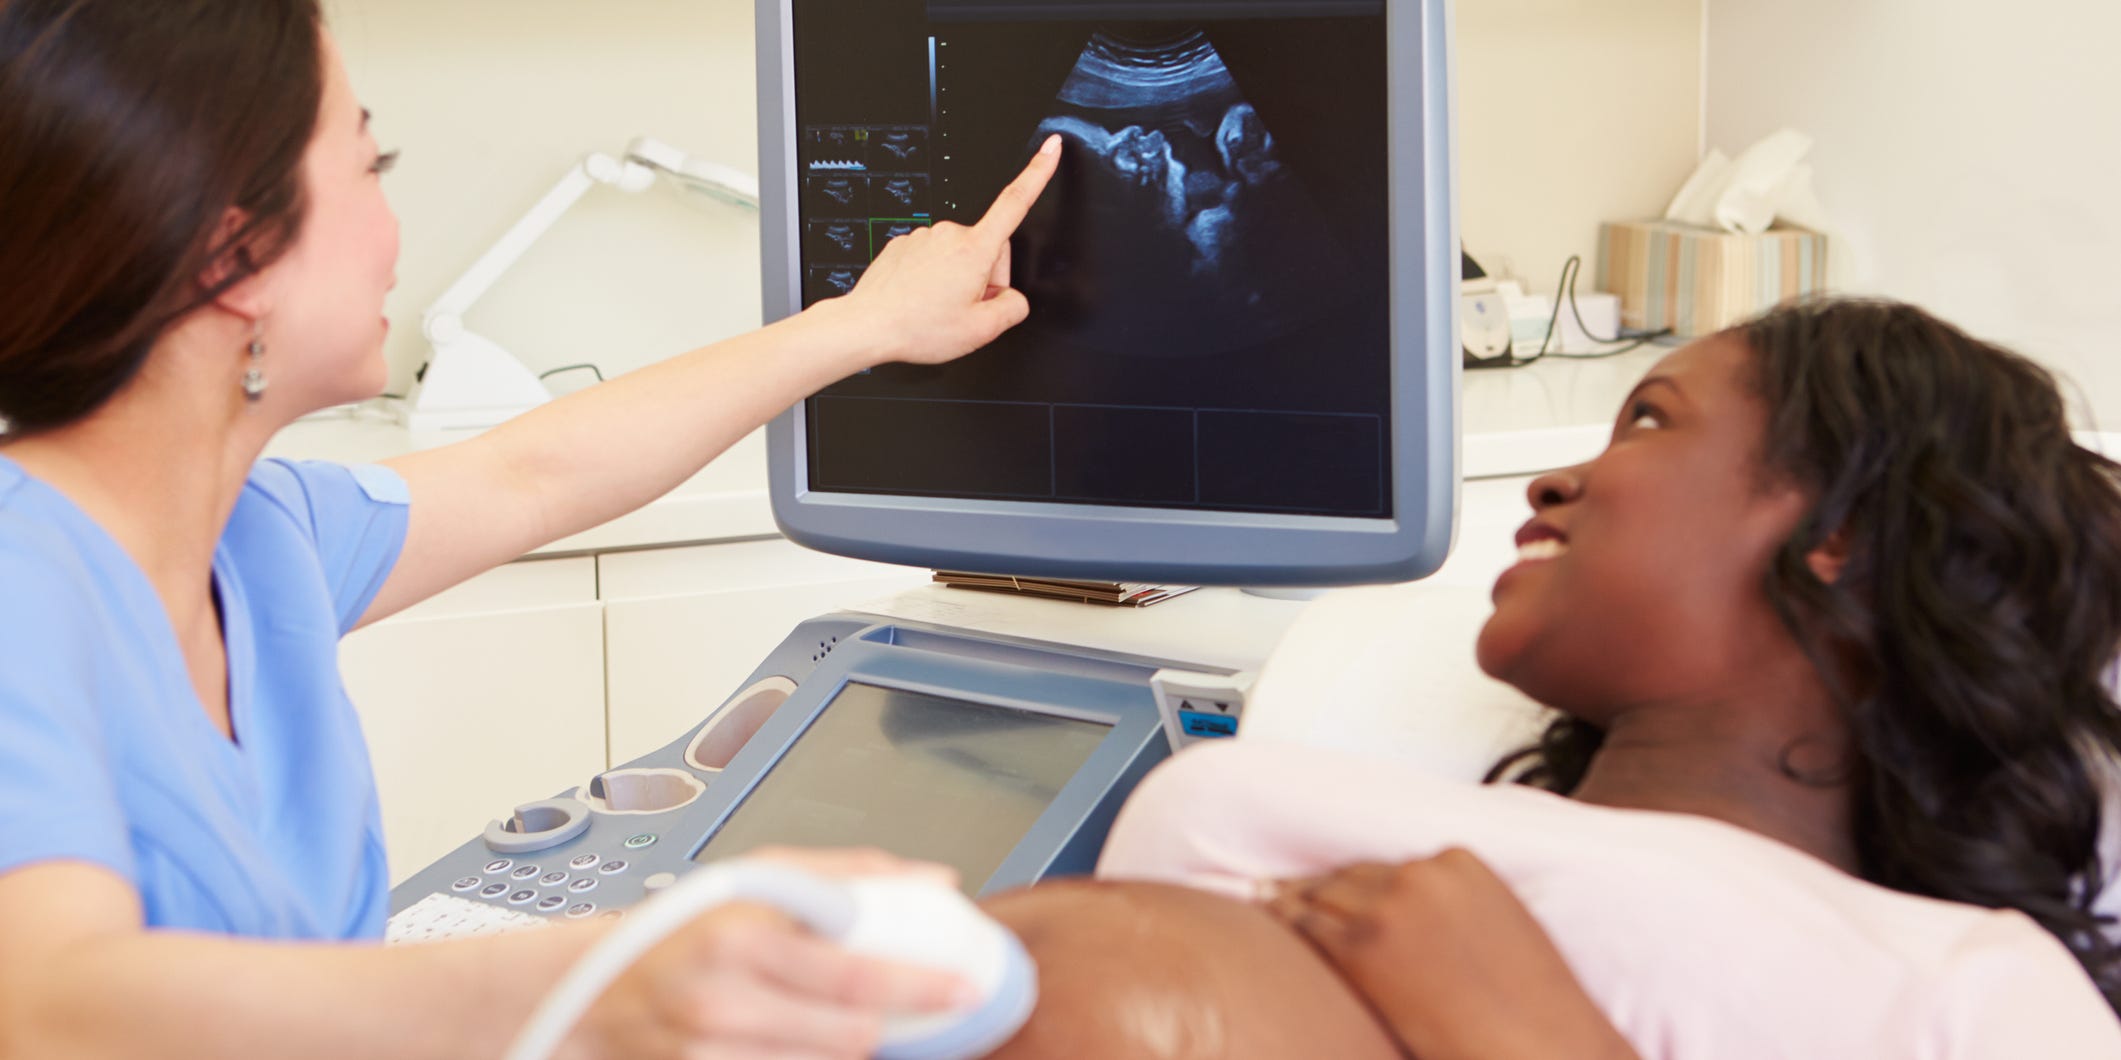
x=1697, y=281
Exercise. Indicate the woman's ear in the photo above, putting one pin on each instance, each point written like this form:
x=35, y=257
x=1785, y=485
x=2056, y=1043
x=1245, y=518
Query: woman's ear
x=1829, y=557
x=242, y=289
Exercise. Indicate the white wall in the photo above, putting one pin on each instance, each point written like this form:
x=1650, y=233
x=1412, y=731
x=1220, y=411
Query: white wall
x=491, y=100
x=1571, y=112
x=1967, y=151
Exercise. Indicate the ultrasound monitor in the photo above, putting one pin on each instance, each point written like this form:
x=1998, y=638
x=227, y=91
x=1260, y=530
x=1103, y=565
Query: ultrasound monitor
x=1240, y=365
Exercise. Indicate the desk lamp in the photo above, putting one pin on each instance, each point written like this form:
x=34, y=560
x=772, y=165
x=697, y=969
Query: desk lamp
x=469, y=380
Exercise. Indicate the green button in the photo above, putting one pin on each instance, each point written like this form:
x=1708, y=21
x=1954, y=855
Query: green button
x=639, y=841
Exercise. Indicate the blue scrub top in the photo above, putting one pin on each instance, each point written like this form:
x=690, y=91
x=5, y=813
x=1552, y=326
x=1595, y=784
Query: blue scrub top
x=106, y=754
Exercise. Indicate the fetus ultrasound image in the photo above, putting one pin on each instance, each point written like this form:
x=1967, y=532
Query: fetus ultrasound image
x=1208, y=271
x=1192, y=236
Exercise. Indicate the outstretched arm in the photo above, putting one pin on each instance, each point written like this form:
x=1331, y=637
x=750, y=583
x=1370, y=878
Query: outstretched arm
x=580, y=461
x=81, y=977
x=1451, y=960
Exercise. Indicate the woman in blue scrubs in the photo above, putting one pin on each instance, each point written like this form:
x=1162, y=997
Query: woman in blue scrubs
x=194, y=251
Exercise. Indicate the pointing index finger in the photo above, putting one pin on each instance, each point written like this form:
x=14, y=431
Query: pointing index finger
x=1016, y=200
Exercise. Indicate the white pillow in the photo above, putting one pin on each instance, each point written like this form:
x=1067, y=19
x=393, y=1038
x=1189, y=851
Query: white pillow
x=1389, y=670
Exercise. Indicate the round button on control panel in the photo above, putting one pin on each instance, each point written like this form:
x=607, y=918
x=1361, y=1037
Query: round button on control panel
x=538, y=825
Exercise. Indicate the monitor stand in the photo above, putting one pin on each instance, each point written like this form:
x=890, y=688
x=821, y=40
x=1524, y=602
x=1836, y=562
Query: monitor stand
x=1284, y=592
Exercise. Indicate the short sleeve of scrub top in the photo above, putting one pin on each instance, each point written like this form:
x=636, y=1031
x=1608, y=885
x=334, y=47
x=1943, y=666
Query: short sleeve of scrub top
x=108, y=757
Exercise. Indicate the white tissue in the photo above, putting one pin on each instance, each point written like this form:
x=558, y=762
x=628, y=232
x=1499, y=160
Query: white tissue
x=1696, y=202
x=1766, y=181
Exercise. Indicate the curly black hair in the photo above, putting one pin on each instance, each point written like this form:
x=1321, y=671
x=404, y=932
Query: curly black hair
x=1970, y=635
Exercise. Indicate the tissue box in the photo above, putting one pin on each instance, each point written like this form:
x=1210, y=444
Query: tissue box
x=1698, y=281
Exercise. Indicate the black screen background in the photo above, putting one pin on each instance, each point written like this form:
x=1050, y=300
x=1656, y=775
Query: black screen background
x=1068, y=416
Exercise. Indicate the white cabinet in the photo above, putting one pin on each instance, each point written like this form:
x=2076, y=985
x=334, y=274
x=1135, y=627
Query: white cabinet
x=487, y=695
x=495, y=692
x=534, y=677
x=684, y=626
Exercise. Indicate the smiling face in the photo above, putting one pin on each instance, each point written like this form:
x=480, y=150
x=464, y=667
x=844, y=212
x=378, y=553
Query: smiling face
x=1640, y=578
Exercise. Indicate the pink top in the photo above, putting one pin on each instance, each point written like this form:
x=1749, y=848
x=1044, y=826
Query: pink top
x=1698, y=939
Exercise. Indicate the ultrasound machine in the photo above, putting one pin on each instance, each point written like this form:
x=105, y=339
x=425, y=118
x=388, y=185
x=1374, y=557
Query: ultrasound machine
x=1240, y=370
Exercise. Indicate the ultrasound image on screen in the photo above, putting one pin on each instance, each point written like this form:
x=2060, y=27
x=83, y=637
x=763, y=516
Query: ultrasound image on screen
x=1208, y=271
x=1193, y=237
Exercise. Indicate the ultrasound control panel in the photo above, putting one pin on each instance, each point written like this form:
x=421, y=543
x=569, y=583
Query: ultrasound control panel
x=1004, y=759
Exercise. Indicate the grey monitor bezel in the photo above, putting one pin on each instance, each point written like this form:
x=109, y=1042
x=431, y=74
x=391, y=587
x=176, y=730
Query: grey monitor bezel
x=1164, y=544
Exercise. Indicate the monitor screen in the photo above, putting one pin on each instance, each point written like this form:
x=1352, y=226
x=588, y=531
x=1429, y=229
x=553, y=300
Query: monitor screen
x=1207, y=271
x=1235, y=320
x=943, y=780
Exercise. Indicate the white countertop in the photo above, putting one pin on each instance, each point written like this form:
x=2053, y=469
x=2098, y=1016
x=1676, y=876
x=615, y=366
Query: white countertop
x=1518, y=421
x=726, y=501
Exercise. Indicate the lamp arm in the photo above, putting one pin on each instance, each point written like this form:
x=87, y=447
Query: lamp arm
x=470, y=381
x=443, y=320
x=723, y=182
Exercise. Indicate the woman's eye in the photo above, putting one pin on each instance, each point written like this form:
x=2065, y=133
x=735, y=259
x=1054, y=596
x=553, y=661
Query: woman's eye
x=384, y=163
x=1643, y=416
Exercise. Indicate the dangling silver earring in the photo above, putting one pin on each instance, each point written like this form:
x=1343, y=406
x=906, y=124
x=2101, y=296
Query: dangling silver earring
x=254, y=376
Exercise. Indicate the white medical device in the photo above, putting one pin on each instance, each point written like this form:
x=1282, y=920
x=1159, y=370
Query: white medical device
x=1199, y=706
x=900, y=918
x=469, y=380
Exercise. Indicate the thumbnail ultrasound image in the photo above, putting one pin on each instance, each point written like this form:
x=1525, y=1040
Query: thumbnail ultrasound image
x=900, y=196
x=829, y=282
x=836, y=242
x=831, y=196
x=882, y=232
x=1188, y=233
x=892, y=150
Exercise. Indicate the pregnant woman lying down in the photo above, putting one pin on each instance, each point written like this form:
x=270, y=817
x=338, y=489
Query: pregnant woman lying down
x=1827, y=627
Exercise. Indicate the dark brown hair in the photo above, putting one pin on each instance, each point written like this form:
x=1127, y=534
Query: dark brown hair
x=1970, y=634
x=130, y=132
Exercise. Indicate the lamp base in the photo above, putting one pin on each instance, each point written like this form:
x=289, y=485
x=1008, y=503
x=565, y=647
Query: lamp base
x=471, y=383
